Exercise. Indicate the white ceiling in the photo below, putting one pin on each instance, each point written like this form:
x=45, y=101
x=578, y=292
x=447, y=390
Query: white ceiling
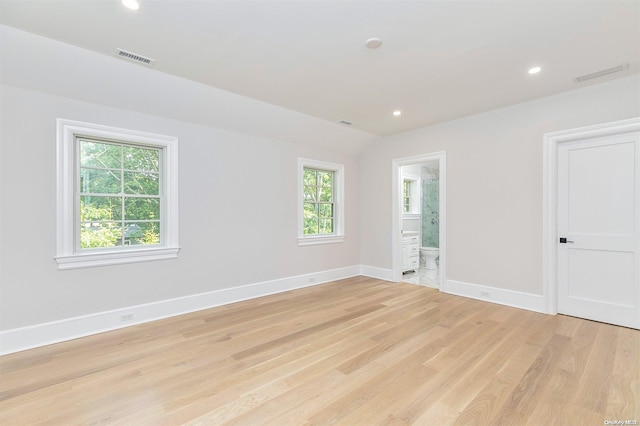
x=439, y=60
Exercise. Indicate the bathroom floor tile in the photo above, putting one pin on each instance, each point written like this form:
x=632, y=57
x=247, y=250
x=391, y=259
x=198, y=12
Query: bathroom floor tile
x=423, y=276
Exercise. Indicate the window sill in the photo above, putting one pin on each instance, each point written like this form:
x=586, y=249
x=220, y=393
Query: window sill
x=320, y=239
x=411, y=216
x=90, y=260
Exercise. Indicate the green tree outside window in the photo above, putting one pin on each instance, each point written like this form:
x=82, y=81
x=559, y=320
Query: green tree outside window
x=119, y=188
x=318, y=202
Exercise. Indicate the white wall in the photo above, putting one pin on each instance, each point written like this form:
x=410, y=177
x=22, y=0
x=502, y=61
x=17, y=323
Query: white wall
x=237, y=190
x=237, y=215
x=238, y=156
x=33, y=62
x=494, y=183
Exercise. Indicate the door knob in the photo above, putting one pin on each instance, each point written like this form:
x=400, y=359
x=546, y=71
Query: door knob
x=563, y=240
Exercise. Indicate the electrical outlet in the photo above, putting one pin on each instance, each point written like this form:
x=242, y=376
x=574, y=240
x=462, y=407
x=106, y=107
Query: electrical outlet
x=126, y=317
x=484, y=293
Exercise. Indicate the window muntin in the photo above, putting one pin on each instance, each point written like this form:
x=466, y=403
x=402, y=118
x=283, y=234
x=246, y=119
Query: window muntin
x=318, y=204
x=119, y=194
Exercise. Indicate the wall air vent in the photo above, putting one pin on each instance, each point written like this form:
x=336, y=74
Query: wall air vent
x=345, y=122
x=602, y=73
x=135, y=57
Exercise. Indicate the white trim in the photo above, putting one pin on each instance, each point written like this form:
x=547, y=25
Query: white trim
x=23, y=338
x=338, y=203
x=411, y=216
x=501, y=296
x=396, y=212
x=311, y=240
x=378, y=273
x=37, y=335
x=551, y=142
x=90, y=260
x=66, y=254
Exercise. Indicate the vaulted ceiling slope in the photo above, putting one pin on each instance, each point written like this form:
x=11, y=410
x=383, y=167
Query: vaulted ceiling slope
x=439, y=60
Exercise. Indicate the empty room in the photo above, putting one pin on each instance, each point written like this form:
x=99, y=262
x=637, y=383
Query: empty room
x=313, y=212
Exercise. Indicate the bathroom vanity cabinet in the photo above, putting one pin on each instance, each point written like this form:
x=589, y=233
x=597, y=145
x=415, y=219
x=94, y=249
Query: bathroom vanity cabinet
x=410, y=252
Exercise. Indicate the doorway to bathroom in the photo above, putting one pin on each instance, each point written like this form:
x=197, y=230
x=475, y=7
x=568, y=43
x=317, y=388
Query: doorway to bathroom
x=419, y=220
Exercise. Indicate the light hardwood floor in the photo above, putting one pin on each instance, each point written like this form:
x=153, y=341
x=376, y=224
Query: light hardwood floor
x=354, y=352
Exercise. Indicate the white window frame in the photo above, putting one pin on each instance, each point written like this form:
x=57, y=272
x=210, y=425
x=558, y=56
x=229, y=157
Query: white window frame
x=338, y=182
x=68, y=255
x=406, y=198
x=414, y=196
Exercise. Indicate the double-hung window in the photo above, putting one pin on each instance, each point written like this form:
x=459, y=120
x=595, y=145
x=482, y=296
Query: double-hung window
x=321, y=202
x=119, y=191
x=410, y=195
x=406, y=195
x=117, y=196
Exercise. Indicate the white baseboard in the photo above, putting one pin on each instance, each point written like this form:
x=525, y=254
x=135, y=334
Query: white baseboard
x=379, y=273
x=37, y=335
x=515, y=299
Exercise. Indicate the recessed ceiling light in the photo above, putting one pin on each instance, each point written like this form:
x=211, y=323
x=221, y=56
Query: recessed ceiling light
x=373, y=43
x=397, y=113
x=131, y=4
x=535, y=70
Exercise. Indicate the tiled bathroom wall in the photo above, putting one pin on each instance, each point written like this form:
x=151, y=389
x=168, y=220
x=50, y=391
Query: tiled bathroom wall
x=430, y=207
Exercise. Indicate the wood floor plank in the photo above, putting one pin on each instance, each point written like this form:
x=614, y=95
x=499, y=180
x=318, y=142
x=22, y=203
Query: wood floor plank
x=624, y=391
x=495, y=350
x=593, y=390
x=372, y=381
x=452, y=364
x=359, y=351
x=526, y=394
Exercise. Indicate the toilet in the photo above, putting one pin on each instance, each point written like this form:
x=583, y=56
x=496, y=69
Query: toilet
x=428, y=255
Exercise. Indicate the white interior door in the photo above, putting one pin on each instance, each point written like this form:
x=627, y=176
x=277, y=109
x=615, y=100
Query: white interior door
x=598, y=227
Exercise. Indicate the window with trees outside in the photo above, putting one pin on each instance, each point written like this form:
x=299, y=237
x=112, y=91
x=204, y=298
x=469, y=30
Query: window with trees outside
x=117, y=196
x=406, y=195
x=318, y=201
x=321, y=201
x=410, y=195
x=119, y=189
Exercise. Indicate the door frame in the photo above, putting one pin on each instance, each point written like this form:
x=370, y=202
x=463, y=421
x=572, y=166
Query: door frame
x=551, y=143
x=396, y=212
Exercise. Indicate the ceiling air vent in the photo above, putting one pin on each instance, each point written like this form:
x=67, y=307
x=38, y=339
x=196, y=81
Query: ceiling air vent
x=602, y=73
x=345, y=122
x=135, y=57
